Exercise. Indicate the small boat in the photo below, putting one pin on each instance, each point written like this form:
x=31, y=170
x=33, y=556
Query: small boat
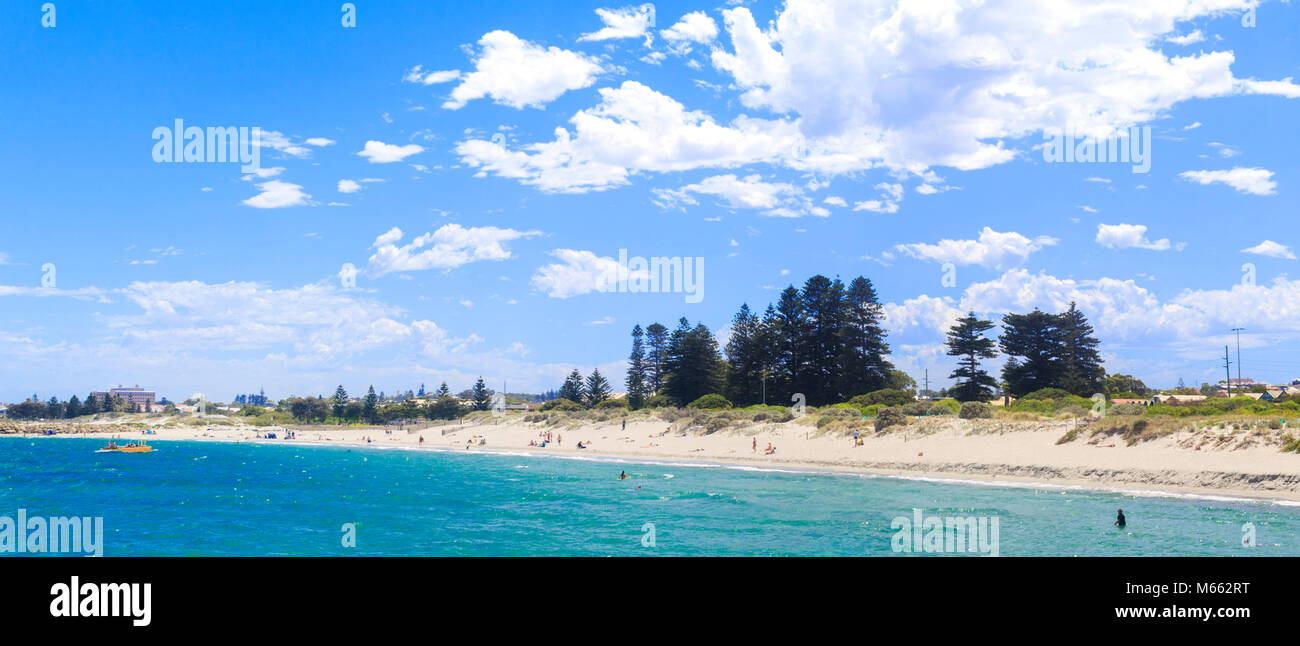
x=133, y=447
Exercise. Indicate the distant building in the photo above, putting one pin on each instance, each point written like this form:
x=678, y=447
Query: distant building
x=1175, y=400
x=1140, y=402
x=134, y=395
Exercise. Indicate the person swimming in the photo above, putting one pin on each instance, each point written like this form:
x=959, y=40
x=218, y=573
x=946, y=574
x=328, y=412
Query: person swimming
x=1119, y=521
x=622, y=476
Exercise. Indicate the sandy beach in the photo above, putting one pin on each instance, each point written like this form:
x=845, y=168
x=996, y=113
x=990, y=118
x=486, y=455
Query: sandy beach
x=988, y=450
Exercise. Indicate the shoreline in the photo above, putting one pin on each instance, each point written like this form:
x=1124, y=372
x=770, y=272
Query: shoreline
x=822, y=455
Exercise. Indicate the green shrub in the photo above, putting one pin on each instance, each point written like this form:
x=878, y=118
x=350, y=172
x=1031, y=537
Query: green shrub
x=975, y=410
x=888, y=397
x=873, y=410
x=1127, y=409
x=952, y=405
x=711, y=401
x=1048, y=393
x=613, y=404
x=659, y=401
x=890, y=417
x=562, y=404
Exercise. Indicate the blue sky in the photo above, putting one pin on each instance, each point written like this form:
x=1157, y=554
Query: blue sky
x=773, y=140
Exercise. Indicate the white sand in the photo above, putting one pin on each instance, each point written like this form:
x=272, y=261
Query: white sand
x=1021, y=453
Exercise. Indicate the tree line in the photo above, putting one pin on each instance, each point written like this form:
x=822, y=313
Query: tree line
x=341, y=408
x=827, y=342
x=1043, y=350
x=34, y=408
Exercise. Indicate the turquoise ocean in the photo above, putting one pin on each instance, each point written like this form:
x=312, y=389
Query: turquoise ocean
x=227, y=499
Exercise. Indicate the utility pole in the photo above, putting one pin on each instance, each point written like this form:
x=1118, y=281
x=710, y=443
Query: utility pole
x=927, y=383
x=1227, y=370
x=1238, y=331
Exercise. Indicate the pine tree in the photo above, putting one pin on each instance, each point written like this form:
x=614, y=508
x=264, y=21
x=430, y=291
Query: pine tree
x=369, y=406
x=656, y=337
x=744, y=357
x=596, y=390
x=636, y=371
x=573, y=387
x=92, y=404
x=862, y=366
x=966, y=340
x=789, y=363
x=692, y=363
x=73, y=409
x=443, y=390
x=482, y=397
x=1031, y=344
x=1081, y=369
x=340, y=402
x=823, y=310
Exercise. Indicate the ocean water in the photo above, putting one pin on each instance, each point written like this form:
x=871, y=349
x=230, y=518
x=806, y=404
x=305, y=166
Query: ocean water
x=225, y=499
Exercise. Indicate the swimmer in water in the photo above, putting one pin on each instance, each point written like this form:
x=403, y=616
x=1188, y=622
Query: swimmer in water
x=622, y=476
x=1119, y=521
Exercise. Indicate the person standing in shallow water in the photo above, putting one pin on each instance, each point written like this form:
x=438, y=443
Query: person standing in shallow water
x=1119, y=520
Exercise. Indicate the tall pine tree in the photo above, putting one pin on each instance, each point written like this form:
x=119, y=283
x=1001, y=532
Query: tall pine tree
x=656, y=338
x=573, y=387
x=596, y=389
x=1082, y=373
x=862, y=366
x=966, y=340
x=636, y=371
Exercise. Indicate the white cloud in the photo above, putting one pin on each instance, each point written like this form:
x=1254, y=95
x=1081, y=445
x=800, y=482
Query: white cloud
x=521, y=74
x=353, y=186
x=379, y=152
x=276, y=194
x=871, y=84
x=1271, y=249
x=417, y=75
x=694, y=27
x=627, y=22
x=993, y=249
x=890, y=196
x=447, y=248
x=634, y=128
x=277, y=141
x=1255, y=181
x=581, y=272
x=1128, y=236
x=749, y=192
x=1120, y=310
x=1192, y=38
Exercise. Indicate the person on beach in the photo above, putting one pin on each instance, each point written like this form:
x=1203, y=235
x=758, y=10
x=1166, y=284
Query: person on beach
x=754, y=448
x=1120, y=522
x=625, y=423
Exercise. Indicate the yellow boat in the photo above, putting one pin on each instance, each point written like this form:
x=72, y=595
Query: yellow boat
x=133, y=447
